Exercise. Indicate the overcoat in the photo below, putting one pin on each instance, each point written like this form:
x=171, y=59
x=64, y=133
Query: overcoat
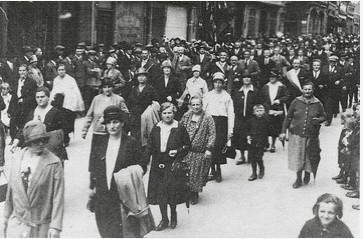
x=32, y=213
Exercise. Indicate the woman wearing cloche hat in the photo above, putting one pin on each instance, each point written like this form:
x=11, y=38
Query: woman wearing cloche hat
x=36, y=179
x=114, y=75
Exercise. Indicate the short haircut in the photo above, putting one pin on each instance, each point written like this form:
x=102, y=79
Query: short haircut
x=43, y=89
x=317, y=60
x=258, y=107
x=196, y=97
x=61, y=64
x=308, y=83
x=329, y=198
x=5, y=85
x=24, y=65
x=167, y=105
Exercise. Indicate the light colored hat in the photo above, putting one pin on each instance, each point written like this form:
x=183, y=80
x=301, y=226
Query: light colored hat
x=34, y=130
x=196, y=68
x=333, y=58
x=165, y=64
x=59, y=48
x=141, y=71
x=111, y=60
x=33, y=59
x=218, y=76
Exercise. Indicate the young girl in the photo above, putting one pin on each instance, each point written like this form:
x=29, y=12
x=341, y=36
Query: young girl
x=328, y=210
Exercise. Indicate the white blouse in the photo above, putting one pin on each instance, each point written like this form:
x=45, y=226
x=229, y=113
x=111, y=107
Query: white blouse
x=111, y=157
x=165, y=130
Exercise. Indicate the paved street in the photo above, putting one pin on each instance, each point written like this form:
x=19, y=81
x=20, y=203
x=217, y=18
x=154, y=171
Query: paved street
x=234, y=208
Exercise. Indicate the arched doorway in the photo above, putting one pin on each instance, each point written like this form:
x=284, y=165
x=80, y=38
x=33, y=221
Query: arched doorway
x=314, y=21
x=321, y=23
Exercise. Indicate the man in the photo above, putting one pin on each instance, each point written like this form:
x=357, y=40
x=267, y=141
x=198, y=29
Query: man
x=280, y=61
x=68, y=62
x=234, y=80
x=347, y=78
x=182, y=66
x=295, y=78
x=266, y=64
x=150, y=65
x=92, y=77
x=259, y=50
x=9, y=71
x=50, y=72
x=27, y=53
x=333, y=89
x=59, y=51
x=78, y=68
x=319, y=79
x=237, y=51
x=251, y=65
x=219, y=66
x=303, y=59
x=203, y=59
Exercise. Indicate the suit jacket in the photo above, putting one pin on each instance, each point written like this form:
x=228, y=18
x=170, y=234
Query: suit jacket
x=265, y=69
x=217, y=67
x=281, y=63
x=153, y=68
x=239, y=105
x=281, y=96
x=43, y=203
x=79, y=71
x=27, y=94
x=321, y=80
x=172, y=89
x=337, y=75
x=252, y=67
x=205, y=64
x=9, y=75
x=234, y=81
x=182, y=67
x=50, y=72
x=293, y=90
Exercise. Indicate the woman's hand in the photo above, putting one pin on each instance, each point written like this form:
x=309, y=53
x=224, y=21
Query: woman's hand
x=208, y=154
x=282, y=136
x=52, y=232
x=172, y=153
x=180, y=102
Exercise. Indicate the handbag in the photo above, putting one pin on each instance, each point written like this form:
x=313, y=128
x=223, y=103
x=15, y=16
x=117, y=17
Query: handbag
x=228, y=151
x=3, y=186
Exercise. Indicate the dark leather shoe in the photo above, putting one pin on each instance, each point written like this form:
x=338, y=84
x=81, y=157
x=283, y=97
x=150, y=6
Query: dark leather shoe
x=339, y=176
x=162, y=225
x=261, y=174
x=342, y=180
x=218, y=178
x=194, y=198
x=173, y=221
x=306, y=178
x=273, y=150
x=211, y=177
x=347, y=187
x=240, y=161
x=353, y=194
x=252, y=177
x=356, y=207
x=297, y=184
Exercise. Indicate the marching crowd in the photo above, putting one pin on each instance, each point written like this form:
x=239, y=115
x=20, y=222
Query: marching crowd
x=185, y=105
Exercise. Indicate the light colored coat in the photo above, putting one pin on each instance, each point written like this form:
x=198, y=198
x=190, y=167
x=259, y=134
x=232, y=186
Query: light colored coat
x=32, y=213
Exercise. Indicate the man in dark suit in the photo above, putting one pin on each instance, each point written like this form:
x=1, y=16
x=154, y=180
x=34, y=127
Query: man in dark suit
x=347, y=78
x=182, y=66
x=234, y=79
x=150, y=65
x=295, y=79
x=237, y=50
x=24, y=98
x=203, y=59
x=167, y=86
x=319, y=79
x=333, y=89
x=266, y=65
x=251, y=65
x=50, y=71
x=25, y=58
x=220, y=65
x=9, y=71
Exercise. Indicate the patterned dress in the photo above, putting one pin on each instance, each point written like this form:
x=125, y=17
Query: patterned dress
x=202, y=136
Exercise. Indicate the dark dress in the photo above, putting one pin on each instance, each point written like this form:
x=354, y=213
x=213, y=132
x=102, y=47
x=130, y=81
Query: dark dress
x=164, y=186
x=314, y=229
x=107, y=201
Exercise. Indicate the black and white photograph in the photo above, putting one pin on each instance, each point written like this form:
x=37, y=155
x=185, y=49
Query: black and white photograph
x=180, y=119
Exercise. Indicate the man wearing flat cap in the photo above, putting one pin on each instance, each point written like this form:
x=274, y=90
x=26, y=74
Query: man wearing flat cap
x=202, y=58
x=34, y=204
x=93, y=78
x=334, y=87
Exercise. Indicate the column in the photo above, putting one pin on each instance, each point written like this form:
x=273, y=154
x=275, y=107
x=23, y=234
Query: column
x=3, y=28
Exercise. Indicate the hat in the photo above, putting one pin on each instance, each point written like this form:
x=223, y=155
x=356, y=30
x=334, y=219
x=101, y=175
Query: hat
x=82, y=45
x=101, y=45
x=141, y=71
x=59, y=48
x=138, y=44
x=111, y=61
x=218, y=76
x=33, y=59
x=92, y=52
x=34, y=130
x=333, y=58
x=107, y=82
x=112, y=51
x=196, y=68
x=165, y=64
x=113, y=112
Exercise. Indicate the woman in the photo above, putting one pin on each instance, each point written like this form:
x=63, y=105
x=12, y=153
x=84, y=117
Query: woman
x=34, y=72
x=140, y=98
x=113, y=152
x=34, y=204
x=114, y=75
x=303, y=120
x=328, y=210
x=218, y=103
x=273, y=96
x=168, y=144
x=243, y=101
x=201, y=129
x=66, y=96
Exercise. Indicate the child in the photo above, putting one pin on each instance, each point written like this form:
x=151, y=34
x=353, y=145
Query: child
x=258, y=131
x=328, y=210
x=5, y=114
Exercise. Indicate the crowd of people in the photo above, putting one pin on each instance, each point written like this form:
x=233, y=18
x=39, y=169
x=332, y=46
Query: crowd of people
x=183, y=104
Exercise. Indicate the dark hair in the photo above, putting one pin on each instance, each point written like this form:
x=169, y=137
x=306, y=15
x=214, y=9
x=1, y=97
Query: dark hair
x=61, y=64
x=196, y=97
x=43, y=89
x=308, y=83
x=329, y=198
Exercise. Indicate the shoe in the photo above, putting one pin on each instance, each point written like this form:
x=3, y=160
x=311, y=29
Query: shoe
x=173, y=221
x=347, y=187
x=194, y=198
x=262, y=173
x=162, y=225
x=356, y=207
x=354, y=194
x=211, y=177
x=340, y=175
x=297, y=184
x=273, y=150
x=252, y=177
x=306, y=178
x=218, y=178
x=342, y=180
x=240, y=161
x=327, y=123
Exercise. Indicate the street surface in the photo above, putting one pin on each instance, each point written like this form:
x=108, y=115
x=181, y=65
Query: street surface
x=265, y=208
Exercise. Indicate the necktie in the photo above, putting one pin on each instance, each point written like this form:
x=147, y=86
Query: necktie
x=266, y=61
x=246, y=65
x=25, y=178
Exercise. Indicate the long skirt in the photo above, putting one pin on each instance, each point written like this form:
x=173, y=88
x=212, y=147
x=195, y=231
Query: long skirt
x=199, y=168
x=221, y=124
x=276, y=124
x=239, y=139
x=299, y=157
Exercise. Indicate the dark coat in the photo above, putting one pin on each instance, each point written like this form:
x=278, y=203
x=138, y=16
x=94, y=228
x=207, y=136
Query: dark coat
x=281, y=96
x=173, y=89
x=292, y=90
x=164, y=186
x=259, y=129
x=332, y=89
x=79, y=71
x=205, y=64
x=153, y=68
x=8, y=75
x=321, y=80
x=265, y=69
x=107, y=201
x=314, y=229
x=234, y=81
x=50, y=73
